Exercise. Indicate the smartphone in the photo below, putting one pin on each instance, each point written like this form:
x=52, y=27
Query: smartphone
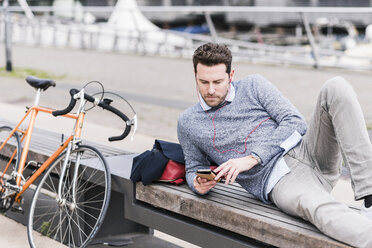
x=207, y=174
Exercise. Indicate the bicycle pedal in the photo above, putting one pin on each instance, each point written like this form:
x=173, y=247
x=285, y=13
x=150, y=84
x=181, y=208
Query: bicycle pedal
x=17, y=209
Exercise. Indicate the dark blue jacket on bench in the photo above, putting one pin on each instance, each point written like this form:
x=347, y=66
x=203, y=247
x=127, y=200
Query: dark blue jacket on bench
x=149, y=166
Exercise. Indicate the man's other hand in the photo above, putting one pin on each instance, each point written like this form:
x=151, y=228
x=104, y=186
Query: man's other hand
x=202, y=185
x=233, y=167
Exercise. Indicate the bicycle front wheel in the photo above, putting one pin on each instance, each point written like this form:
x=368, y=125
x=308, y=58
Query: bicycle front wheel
x=73, y=216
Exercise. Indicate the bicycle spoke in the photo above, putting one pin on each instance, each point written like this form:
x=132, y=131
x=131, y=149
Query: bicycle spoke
x=44, y=207
x=60, y=231
x=90, y=202
x=51, y=225
x=71, y=235
x=79, y=214
x=71, y=219
x=94, y=184
x=91, y=175
x=48, y=200
x=78, y=224
x=88, y=215
x=50, y=187
x=43, y=214
x=91, y=228
x=66, y=189
x=93, y=197
x=61, y=222
x=56, y=228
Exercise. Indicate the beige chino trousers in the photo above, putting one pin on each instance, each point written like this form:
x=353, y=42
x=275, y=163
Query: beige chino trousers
x=336, y=132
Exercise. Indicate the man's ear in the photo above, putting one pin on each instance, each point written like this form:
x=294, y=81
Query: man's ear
x=232, y=75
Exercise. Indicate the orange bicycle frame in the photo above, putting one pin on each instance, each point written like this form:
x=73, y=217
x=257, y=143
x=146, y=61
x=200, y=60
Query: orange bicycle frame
x=26, y=139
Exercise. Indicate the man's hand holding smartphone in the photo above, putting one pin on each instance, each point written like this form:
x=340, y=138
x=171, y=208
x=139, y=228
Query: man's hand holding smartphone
x=204, y=180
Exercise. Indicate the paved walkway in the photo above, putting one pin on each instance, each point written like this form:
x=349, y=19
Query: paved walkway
x=14, y=235
x=158, y=88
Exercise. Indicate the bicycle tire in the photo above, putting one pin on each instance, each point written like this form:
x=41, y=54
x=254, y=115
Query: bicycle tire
x=10, y=155
x=13, y=144
x=69, y=224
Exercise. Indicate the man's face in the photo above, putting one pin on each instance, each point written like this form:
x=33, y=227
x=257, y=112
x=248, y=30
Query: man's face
x=213, y=83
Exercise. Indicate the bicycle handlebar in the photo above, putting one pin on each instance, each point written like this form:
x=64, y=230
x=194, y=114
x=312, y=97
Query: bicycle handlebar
x=70, y=106
x=103, y=105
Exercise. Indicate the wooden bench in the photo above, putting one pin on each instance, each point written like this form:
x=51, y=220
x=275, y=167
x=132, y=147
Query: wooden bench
x=227, y=217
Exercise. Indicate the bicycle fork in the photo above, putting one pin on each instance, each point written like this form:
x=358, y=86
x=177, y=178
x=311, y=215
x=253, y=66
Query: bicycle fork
x=61, y=199
x=66, y=165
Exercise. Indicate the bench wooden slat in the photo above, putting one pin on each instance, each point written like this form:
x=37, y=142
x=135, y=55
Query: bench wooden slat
x=219, y=212
x=251, y=205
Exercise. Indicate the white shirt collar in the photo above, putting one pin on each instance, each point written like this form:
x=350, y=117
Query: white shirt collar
x=229, y=98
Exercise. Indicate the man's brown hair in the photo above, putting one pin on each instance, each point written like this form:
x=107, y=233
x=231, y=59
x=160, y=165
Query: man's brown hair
x=211, y=54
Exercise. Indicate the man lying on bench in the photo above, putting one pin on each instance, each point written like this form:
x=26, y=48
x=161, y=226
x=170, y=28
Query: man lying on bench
x=259, y=139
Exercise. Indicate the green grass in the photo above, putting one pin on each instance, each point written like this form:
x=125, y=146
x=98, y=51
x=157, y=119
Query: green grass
x=45, y=229
x=24, y=72
x=369, y=126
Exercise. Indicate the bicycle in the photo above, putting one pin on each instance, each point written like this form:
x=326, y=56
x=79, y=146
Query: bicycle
x=72, y=197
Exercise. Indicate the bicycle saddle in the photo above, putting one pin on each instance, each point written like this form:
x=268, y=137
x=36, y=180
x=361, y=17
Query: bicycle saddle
x=39, y=83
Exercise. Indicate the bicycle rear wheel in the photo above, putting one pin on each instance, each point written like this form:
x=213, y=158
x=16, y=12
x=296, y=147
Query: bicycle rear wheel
x=11, y=152
x=71, y=223
x=10, y=155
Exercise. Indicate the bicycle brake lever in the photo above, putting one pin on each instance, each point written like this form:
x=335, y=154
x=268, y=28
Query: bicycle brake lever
x=133, y=122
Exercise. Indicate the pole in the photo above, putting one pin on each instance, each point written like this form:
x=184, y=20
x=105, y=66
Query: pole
x=211, y=27
x=7, y=37
x=311, y=40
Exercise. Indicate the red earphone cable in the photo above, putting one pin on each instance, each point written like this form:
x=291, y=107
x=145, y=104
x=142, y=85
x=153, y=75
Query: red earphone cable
x=215, y=131
x=245, y=142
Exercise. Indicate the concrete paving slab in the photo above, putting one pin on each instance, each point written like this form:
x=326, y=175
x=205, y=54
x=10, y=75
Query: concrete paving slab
x=14, y=235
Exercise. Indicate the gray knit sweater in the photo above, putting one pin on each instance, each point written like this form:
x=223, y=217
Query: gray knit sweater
x=256, y=99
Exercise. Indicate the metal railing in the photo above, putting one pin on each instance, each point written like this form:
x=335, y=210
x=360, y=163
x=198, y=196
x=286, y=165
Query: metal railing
x=89, y=36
